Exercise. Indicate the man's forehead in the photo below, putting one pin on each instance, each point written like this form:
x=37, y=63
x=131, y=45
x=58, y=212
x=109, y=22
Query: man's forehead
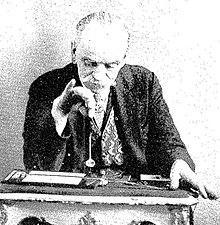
x=108, y=42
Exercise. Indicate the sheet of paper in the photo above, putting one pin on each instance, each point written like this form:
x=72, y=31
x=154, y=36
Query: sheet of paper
x=50, y=173
x=53, y=177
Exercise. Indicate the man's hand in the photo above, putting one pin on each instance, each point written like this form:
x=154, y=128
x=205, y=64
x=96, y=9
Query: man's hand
x=181, y=170
x=72, y=98
x=78, y=98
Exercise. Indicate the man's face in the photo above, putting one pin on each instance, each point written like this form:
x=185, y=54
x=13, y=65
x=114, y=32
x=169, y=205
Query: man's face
x=100, y=54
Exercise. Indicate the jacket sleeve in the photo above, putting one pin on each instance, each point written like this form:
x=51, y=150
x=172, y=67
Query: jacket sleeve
x=43, y=148
x=165, y=143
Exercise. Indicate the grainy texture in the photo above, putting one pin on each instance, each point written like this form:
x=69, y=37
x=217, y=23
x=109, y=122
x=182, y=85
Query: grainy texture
x=178, y=40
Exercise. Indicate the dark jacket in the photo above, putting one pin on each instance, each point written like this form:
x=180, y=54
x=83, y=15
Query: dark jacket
x=150, y=140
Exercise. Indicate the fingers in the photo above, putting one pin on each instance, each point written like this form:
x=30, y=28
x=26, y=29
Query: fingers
x=191, y=177
x=88, y=98
x=201, y=188
x=181, y=170
x=205, y=190
x=87, y=104
x=81, y=108
x=77, y=106
x=212, y=195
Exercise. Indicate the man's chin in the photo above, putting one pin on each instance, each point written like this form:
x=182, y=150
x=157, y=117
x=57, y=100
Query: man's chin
x=100, y=90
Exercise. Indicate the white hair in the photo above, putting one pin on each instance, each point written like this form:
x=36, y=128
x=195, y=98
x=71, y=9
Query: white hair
x=102, y=18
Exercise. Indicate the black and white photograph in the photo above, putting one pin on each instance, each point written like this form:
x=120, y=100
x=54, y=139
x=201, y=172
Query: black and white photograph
x=109, y=112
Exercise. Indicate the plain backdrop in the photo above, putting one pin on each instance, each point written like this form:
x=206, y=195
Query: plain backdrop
x=178, y=40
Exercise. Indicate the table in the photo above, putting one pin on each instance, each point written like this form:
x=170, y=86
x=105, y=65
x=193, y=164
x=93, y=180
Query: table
x=111, y=204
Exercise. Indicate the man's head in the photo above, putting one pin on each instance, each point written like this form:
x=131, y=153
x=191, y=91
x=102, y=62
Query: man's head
x=99, y=49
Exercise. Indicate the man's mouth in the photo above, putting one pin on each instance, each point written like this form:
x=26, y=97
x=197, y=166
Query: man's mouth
x=95, y=85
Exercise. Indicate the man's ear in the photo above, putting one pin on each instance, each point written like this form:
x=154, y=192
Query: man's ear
x=123, y=61
x=73, y=52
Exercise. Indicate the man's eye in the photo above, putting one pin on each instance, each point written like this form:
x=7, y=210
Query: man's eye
x=110, y=66
x=90, y=63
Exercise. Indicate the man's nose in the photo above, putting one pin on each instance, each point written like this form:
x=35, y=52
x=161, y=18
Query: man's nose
x=99, y=72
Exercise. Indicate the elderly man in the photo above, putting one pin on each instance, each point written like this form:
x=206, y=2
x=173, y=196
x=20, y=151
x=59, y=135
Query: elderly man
x=101, y=113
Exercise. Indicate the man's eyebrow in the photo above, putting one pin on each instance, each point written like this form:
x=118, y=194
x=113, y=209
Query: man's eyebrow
x=87, y=58
x=115, y=62
x=93, y=61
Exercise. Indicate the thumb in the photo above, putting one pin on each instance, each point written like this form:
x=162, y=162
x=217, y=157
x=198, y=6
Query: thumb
x=174, y=178
x=65, y=98
x=70, y=85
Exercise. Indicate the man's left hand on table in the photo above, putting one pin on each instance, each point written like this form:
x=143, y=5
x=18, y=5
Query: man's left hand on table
x=181, y=170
